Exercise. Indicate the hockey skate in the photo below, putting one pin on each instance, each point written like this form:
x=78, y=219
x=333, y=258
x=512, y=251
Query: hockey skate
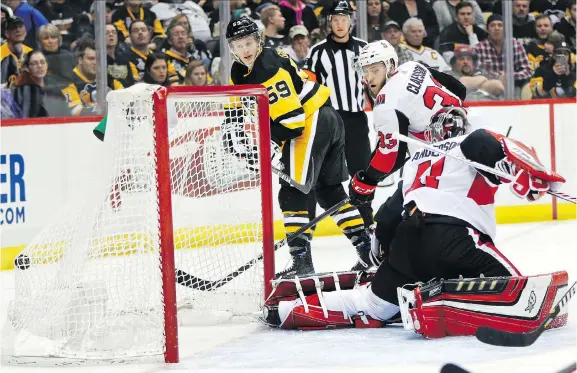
x=302, y=264
x=363, y=245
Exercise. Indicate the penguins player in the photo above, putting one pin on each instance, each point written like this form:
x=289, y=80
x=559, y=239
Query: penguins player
x=307, y=134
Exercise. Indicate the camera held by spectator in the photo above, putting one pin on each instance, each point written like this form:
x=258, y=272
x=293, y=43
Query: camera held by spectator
x=555, y=77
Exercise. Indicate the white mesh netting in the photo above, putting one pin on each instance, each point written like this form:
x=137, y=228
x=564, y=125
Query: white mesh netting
x=94, y=285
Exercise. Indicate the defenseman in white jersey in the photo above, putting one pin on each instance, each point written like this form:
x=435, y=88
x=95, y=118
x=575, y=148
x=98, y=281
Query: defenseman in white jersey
x=406, y=97
x=445, y=232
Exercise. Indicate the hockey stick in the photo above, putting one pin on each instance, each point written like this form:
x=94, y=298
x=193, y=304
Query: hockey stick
x=452, y=368
x=305, y=188
x=476, y=165
x=502, y=338
x=188, y=280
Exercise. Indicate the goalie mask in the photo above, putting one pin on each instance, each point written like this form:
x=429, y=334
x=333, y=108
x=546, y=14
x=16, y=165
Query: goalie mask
x=447, y=123
x=243, y=50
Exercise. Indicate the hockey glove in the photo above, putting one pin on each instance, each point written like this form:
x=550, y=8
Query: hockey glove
x=531, y=179
x=361, y=189
x=275, y=155
x=523, y=185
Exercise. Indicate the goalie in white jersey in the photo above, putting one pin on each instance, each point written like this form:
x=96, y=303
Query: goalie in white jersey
x=445, y=230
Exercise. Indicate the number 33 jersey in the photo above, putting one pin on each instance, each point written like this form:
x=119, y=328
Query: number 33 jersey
x=406, y=105
x=446, y=186
x=292, y=96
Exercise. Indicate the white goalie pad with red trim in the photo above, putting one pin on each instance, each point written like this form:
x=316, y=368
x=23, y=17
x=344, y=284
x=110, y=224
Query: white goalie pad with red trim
x=460, y=307
x=308, y=310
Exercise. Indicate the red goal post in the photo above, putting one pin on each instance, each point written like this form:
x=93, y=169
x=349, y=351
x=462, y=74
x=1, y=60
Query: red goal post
x=164, y=193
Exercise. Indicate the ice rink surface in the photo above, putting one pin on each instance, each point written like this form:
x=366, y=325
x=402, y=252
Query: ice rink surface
x=534, y=248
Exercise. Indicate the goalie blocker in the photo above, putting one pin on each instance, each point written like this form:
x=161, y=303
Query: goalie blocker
x=434, y=310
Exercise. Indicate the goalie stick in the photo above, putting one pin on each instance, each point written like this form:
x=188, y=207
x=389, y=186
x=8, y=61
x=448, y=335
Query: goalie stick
x=476, y=165
x=497, y=337
x=186, y=279
x=452, y=368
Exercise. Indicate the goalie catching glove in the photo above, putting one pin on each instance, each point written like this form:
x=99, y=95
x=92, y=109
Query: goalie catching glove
x=530, y=179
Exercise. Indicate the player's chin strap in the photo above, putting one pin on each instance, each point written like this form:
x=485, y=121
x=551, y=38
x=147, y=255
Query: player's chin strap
x=476, y=165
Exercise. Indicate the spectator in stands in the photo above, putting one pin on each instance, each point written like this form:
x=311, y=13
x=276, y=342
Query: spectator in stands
x=463, y=31
x=156, y=70
x=446, y=13
x=392, y=33
x=414, y=32
x=139, y=49
x=81, y=95
x=523, y=21
x=32, y=18
x=535, y=48
x=60, y=61
x=61, y=13
x=567, y=25
x=376, y=18
x=83, y=25
x=13, y=51
x=196, y=47
x=131, y=12
x=29, y=86
x=118, y=70
x=481, y=86
x=402, y=10
x=548, y=6
x=300, y=44
x=196, y=74
x=178, y=55
x=491, y=54
x=295, y=12
x=555, y=77
x=273, y=22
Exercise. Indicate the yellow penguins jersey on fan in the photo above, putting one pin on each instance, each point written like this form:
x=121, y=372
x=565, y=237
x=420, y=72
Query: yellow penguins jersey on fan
x=292, y=97
x=81, y=94
x=10, y=64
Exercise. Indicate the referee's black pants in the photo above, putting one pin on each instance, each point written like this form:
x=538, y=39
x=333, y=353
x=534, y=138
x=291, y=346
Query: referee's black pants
x=358, y=151
x=357, y=156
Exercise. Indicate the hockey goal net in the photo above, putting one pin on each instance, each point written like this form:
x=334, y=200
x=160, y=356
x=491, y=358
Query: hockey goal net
x=165, y=227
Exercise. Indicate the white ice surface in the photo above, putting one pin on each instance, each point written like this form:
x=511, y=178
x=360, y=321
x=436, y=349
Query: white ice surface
x=534, y=248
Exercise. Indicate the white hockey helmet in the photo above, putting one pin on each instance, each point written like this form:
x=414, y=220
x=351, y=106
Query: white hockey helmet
x=378, y=51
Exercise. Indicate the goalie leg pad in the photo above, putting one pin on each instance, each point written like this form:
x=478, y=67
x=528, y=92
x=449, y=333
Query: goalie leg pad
x=326, y=301
x=460, y=307
x=359, y=308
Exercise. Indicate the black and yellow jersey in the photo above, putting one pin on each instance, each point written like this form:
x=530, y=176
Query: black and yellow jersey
x=292, y=96
x=176, y=65
x=136, y=60
x=119, y=73
x=536, y=53
x=10, y=64
x=123, y=17
x=81, y=95
x=546, y=84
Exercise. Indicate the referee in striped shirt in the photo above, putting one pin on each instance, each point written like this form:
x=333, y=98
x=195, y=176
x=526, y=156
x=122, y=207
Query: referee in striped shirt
x=331, y=62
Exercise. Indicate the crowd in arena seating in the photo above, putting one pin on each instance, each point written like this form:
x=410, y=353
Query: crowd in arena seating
x=49, y=60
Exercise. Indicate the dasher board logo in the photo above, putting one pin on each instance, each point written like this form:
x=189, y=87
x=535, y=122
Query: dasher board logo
x=13, y=186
